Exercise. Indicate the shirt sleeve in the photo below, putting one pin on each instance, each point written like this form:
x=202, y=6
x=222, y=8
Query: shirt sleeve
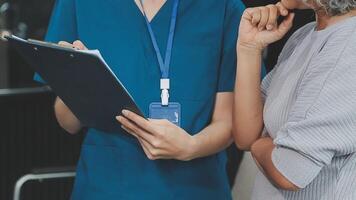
x=63, y=25
x=321, y=124
x=227, y=71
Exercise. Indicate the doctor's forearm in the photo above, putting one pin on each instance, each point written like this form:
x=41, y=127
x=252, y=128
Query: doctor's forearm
x=214, y=138
x=65, y=117
x=217, y=135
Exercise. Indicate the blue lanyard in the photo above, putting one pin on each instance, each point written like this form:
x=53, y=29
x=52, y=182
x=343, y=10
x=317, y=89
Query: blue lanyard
x=163, y=65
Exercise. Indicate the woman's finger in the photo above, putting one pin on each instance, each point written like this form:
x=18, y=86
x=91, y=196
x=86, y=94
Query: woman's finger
x=256, y=16
x=273, y=16
x=286, y=25
x=264, y=18
x=282, y=10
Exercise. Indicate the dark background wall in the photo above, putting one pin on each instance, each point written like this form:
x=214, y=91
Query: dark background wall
x=27, y=19
x=30, y=138
x=32, y=141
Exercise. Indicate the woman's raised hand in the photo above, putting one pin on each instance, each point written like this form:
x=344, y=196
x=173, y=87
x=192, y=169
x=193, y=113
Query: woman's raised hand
x=259, y=26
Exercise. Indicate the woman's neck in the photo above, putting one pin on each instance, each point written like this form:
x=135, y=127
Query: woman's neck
x=323, y=20
x=152, y=7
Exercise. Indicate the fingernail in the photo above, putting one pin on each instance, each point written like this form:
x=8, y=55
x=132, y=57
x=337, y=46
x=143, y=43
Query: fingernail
x=125, y=112
x=118, y=118
x=269, y=27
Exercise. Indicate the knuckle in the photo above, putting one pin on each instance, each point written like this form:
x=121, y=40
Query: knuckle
x=63, y=43
x=156, y=143
x=146, y=123
x=128, y=115
x=150, y=157
x=264, y=9
x=78, y=42
x=248, y=10
x=255, y=11
x=159, y=134
x=272, y=6
x=154, y=153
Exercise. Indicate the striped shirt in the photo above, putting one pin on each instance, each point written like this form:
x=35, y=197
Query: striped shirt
x=310, y=112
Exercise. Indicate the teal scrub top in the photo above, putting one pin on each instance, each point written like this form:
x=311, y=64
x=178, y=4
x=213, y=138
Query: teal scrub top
x=112, y=166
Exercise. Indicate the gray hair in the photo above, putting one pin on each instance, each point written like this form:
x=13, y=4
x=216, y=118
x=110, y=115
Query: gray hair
x=337, y=7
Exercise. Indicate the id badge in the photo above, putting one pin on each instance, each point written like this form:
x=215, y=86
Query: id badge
x=172, y=112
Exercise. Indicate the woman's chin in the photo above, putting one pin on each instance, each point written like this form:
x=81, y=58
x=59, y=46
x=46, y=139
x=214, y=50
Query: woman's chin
x=296, y=4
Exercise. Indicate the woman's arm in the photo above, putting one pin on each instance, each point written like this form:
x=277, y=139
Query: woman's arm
x=66, y=119
x=258, y=28
x=161, y=139
x=248, y=105
x=261, y=151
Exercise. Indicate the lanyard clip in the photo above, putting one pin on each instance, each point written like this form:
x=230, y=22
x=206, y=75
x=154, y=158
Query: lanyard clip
x=165, y=93
x=165, y=97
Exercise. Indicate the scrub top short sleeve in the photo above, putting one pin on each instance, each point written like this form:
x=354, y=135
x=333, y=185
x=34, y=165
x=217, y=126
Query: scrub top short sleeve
x=228, y=61
x=227, y=70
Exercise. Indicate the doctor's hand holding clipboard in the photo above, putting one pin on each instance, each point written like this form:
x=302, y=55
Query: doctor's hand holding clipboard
x=175, y=150
x=159, y=138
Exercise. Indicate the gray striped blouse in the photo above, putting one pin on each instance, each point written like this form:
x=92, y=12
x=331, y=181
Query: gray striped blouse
x=310, y=112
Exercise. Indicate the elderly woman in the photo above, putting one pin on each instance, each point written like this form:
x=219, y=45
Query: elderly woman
x=300, y=124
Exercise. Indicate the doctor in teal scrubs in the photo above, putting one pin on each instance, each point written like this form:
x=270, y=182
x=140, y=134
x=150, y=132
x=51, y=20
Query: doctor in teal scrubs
x=158, y=158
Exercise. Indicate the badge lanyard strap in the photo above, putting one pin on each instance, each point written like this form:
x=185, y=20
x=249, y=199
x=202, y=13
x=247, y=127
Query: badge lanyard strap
x=164, y=65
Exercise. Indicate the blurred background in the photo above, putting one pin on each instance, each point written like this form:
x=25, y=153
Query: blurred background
x=31, y=141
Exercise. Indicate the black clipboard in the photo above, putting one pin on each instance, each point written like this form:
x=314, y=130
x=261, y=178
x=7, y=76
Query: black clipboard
x=81, y=79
